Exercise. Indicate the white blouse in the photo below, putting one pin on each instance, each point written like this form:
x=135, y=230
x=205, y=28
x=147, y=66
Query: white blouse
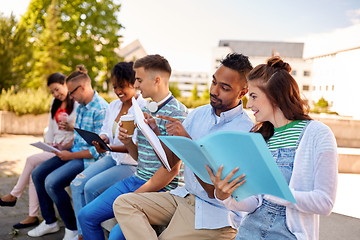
x=107, y=129
x=54, y=134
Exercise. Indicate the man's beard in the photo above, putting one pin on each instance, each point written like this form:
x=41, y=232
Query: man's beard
x=217, y=104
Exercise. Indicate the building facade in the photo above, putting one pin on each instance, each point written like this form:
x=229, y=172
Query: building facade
x=259, y=51
x=131, y=52
x=186, y=82
x=336, y=78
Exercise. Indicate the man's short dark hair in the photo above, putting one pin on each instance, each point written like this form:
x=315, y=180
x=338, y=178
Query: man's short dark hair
x=238, y=62
x=153, y=62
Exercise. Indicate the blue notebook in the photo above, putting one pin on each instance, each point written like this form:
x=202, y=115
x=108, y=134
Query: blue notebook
x=248, y=151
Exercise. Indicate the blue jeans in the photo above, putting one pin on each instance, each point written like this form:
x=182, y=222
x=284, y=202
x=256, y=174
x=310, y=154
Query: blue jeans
x=116, y=233
x=95, y=179
x=100, y=209
x=50, y=179
x=269, y=220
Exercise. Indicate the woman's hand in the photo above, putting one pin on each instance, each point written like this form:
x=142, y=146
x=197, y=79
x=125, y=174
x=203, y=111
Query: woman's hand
x=224, y=188
x=64, y=125
x=98, y=148
x=123, y=136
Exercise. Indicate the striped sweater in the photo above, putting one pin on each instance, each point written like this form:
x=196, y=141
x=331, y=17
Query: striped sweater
x=148, y=163
x=286, y=136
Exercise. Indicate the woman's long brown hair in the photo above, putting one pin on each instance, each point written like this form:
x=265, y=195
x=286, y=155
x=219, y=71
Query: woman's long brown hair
x=274, y=79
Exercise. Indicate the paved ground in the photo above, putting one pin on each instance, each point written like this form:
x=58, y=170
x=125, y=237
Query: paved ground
x=15, y=148
x=13, y=152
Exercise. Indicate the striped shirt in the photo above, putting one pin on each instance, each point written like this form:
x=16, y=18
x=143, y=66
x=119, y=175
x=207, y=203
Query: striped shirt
x=89, y=117
x=286, y=136
x=148, y=162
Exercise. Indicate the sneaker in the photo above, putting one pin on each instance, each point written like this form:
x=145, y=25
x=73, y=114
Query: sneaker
x=43, y=229
x=70, y=234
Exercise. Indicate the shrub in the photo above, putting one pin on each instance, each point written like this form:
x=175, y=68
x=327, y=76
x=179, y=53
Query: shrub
x=174, y=89
x=190, y=103
x=107, y=97
x=28, y=101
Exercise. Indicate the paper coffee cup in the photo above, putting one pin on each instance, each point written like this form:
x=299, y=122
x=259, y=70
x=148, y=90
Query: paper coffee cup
x=128, y=123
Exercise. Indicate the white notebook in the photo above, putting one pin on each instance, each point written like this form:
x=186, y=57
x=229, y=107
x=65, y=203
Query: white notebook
x=44, y=147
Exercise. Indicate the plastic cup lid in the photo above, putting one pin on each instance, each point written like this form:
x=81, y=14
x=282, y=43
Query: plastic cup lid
x=128, y=117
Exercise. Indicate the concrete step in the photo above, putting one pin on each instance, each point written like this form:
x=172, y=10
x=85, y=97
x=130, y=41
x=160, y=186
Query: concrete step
x=349, y=160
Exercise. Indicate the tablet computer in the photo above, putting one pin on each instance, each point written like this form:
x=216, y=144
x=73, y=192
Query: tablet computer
x=89, y=137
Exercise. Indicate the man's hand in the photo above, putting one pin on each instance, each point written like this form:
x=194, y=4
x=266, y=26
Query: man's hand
x=149, y=120
x=104, y=138
x=224, y=188
x=64, y=146
x=64, y=155
x=174, y=127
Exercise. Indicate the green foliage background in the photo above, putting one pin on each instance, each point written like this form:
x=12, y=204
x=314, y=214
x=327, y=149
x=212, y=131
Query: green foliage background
x=55, y=36
x=28, y=101
x=14, y=51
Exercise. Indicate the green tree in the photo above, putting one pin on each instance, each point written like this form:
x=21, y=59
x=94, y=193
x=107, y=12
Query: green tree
x=194, y=93
x=48, y=49
x=321, y=106
x=174, y=89
x=89, y=28
x=14, y=51
x=206, y=94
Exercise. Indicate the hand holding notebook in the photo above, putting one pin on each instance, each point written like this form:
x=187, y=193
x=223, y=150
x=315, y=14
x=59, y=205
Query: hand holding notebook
x=247, y=151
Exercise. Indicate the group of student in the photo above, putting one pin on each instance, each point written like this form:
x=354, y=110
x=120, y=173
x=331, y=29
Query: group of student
x=131, y=184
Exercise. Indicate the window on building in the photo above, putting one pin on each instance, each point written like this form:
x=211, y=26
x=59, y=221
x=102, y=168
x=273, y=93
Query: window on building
x=333, y=87
x=306, y=73
x=319, y=88
x=226, y=44
x=186, y=75
x=306, y=87
x=327, y=87
x=293, y=72
x=314, y=88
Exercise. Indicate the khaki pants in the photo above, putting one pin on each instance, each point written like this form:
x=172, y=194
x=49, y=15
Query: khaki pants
x=136, y=212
